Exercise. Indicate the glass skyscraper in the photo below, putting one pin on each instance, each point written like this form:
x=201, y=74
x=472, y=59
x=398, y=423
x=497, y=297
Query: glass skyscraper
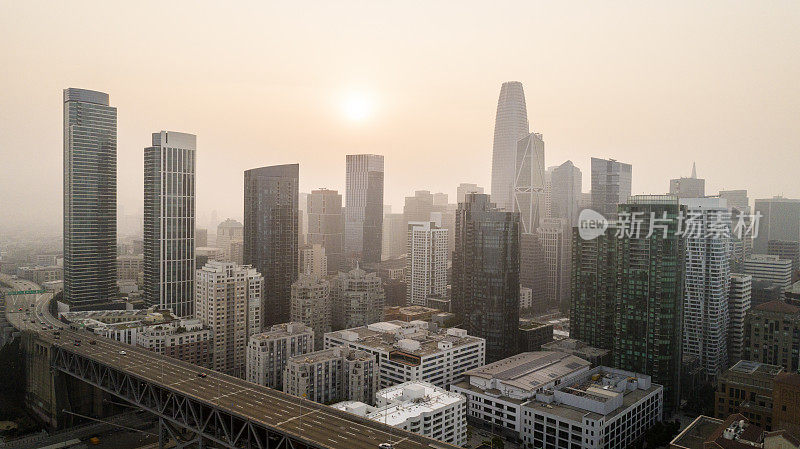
x=364, y=207
x=90, y=198
x=611, y=185
x=510, y=125
x=271, y=234
x=485, y=285
x=169, y=222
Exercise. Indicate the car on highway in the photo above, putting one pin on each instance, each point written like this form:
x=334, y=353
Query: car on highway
x=123, y=353
x=386, y=446
x=202, y=375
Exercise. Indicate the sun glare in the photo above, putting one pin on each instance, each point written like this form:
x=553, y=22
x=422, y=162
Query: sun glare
x=357, y=106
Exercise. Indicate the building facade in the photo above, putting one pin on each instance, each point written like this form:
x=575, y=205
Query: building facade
x=772, y=335
x=364, y=207
x=169, y=222
x=555, y=238
x=357, y=299
x=510, y=125
x=326, y=226
x=311, y=305
x=267, y=352
x=90, y=198
x=746, y=388
x=770, y=268
x=332, y=375
x=313, y=260
x=271, y=234
x=739, y=302
x=611, y=185
x=780, y=220
x=426, y=269
x=565, y=192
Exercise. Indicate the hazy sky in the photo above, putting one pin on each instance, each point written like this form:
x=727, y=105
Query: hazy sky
x=655, y=84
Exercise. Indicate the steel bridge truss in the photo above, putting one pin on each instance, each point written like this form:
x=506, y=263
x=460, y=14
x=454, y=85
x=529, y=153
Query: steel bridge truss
x=186, y=421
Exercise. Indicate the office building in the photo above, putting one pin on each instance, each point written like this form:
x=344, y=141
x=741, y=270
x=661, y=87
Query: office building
x=529, y=182
x=486, y=274
x=426, y=262
x=788, y=251
x=201, y=236
x=746, y=388
x=326, y=226
x=555, y=238
x=510, y=125
x=772, y=335
x=364, y=207
x=332, y=375
x=603, y=407
x=691, y=187
x=418, y=407
x=533, y=334
x=741, y=240
x=786, y=403
x=40, y=275
x=525, y=298
x=739, y=302
x=611, y=185
x=464, y=188
x=90, y=198
x=267, y=352
x=706, y=283
x=271, y=233
x=780, y=220
x=414, y=351
x=357, y=299
x=223, y=295
x=129, y=267
x=313, y=260
x=595, y=356
x=311, y=305
x=169, y=222
x=565, y=192
x=230, y=239
x=394, y=231
x=770, y=268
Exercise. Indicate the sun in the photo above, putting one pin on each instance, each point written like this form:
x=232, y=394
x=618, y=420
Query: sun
x=357, y=106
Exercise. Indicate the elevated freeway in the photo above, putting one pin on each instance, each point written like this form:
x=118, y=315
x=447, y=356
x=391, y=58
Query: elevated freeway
x=200, y=407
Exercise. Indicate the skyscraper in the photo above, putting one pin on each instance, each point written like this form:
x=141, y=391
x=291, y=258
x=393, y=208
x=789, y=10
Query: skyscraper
x=270, y=234
x=464, y=188
x=780, y=220
x=485, y=285
x=394, y=230
x=326, y=226
x=169, y=222
x=649, y=308
x=529, y=182
x=566, y=184
x=510, y=125
x=611, y=185
x=90, y=198
x=357, y=299
x=555, y=238
x=707, y=283
x=223, y=292
x=311, y=305
x=426, y=262
x=739, y=301
x=364, y=207
x=691, y=187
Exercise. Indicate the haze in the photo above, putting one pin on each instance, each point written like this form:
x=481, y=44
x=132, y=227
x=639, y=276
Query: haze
x=655, y=84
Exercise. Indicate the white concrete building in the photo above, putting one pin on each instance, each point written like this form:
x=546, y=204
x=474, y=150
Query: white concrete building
x=495, y=392
x=426, y=262
x=224, y=292
x=770, y=268
x=267, y=352
x=707, y=233
x=739, y=301
x=311, y=305
x=412, y=351
x=604, y=408
x=418, y=407
x=313, y=260
x=525, y=297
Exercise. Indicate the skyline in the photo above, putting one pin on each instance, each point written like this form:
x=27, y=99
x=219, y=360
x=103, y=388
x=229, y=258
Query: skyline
x=590, y=95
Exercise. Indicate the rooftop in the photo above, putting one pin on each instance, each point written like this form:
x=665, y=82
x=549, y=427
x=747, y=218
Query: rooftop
x=334, y=353
x=695, y=434
x=778, y=306
x=282, y=330
x=750, y=367
x=530, y=371
x=414, y=337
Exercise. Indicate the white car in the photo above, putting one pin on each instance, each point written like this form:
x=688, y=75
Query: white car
x=122, y=353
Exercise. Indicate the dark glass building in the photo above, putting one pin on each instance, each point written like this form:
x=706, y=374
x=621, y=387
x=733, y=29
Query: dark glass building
x=485, y=278
x=271, y=234
x=364, y=207
x=90, y=198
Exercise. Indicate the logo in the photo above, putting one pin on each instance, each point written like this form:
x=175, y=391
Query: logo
x=591, y=224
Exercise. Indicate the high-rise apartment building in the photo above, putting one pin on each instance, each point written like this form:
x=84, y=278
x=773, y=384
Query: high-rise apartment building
x=332, y=375
x=230, y=239
x=510, y=125
x=707, y=283
x=780, y=220
x=169, y=222
x=271, y=234
x=739, y=300
x=326, y=226
x=555, y=238
x=313, y=260
x=224, y=291
x=691, y=187
x=565, y=192
x=364, y=207
x=426, y=262
x=611, y=185
x=772, y=335
x=357, y=299
x=90, y=198
x=486, y=273
x=311, y=305
x=267, y=352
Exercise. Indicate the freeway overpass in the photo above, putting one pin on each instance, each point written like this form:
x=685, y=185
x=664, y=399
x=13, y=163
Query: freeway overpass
x=198, y=407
